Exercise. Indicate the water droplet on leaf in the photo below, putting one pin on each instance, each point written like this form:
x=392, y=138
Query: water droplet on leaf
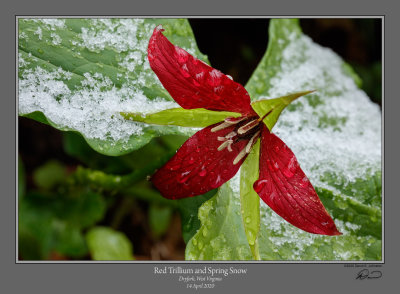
x=205, y=232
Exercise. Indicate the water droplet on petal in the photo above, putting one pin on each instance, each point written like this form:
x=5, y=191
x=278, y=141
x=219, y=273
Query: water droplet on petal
x=259, y=185
x=291, y=168
x=185, y=71
x=276, y=148
x=183, y=180
x=218, y=89
x=288, y=173
x=276, y=166
x=184, y=177
x=181, y=55
x=174, y=166
x=203, y=172
x=217, y=182
x=199, y=75
x=191, y=160
x=304, y=182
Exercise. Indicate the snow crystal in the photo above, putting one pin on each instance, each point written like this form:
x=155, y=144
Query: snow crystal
x=38, y=32
x=51, y=23
x=56, y=40
x=235, y=183
x=21, y=61
x=119, y=35
x=92, y=110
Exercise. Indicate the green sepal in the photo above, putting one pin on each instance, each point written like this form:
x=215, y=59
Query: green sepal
x=274, y=107
x=198, y=117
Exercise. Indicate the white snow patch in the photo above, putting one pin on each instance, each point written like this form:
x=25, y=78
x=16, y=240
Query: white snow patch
x=38, y=32
x=93, y=110
x=120, y=35
x=56, y=39
x=50, y=23
x=348, y=149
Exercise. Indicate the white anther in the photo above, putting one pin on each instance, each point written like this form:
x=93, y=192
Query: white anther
x=240, y=156
x=227, y=123
x=223, y=139
x=231, y=135
x=233, y=120
x=221, y=126
x=251, y=142
x=227, y=143
x=248, y=126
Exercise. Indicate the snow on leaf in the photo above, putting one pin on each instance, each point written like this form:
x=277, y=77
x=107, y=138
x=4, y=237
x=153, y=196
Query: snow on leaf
x=82, y=73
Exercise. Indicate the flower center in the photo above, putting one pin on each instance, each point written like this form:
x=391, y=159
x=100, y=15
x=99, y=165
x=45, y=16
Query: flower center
x=246, y=128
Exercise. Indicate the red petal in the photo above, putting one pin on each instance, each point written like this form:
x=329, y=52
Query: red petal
x=198, y=166
x=191, y=82
x=286, y=189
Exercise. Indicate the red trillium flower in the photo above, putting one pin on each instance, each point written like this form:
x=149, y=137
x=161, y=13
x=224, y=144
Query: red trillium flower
x=214, y=154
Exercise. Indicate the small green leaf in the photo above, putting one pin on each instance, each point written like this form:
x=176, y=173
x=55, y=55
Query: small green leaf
x=107, y=244
x=49, y=175
x=273, y=107
x=182, y=117
x=249, y=199
x=221, y=235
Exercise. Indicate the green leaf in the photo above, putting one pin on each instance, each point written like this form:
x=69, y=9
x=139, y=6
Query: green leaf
x=49, y=175
x=221, y=235
x=280, y=34
x=159, y=219
x=189, y=208
x=182, y=117
x=272, y=108
x=335, y=134
x=55, y=223
x=249, y=199
x=80, y=74
x=107, y=244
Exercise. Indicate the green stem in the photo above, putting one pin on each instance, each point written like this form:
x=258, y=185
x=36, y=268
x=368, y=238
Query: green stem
x=255, y=250
x=111, y=182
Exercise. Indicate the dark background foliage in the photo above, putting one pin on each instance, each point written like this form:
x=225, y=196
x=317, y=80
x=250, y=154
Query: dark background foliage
x=235, y=46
